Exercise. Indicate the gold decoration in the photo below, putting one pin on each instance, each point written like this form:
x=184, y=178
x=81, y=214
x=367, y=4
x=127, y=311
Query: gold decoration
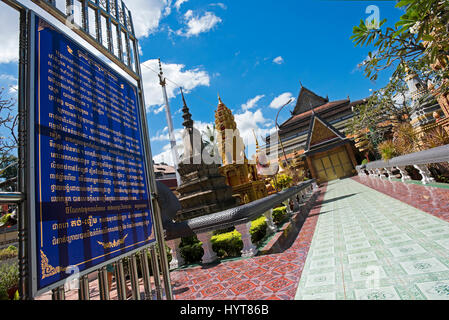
x=113, y=244
x=47, y=269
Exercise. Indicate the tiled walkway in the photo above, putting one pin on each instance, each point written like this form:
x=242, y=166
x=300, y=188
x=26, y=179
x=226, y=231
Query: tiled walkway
x=368, y=245
x=427, y=198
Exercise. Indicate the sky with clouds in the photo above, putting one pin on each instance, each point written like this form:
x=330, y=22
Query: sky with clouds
x=254, y=53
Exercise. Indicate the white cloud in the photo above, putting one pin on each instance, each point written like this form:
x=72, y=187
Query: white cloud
x=188, y=79
x=280, y=100
x=147, y=15
x=249, y=121
x=219, y=4
x=196, y=24
x=251, y=103
x=166, y=154
x=178, y=3
x=278, y=60
x=9, y=33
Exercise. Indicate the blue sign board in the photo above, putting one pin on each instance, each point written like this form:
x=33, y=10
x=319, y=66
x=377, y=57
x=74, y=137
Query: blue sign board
x=91, y=194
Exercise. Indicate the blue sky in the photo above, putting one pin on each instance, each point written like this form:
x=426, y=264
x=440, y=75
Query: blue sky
x=231, y=47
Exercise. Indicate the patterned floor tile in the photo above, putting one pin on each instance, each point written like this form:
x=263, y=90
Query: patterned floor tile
x=435, y=290
x=423, y=266
x=384, y=293
x=386, y=248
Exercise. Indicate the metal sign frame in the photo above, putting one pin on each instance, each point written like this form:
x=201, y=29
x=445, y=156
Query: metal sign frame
x=27, y=262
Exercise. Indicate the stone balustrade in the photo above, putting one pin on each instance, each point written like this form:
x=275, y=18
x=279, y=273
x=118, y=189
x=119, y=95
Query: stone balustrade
x=418, y=160
x=295, y=197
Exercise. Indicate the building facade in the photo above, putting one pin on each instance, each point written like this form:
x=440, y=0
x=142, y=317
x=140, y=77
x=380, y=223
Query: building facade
x=314, y=118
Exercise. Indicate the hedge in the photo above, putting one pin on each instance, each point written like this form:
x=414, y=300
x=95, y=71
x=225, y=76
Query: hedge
x=225, y=244
x=279, y=215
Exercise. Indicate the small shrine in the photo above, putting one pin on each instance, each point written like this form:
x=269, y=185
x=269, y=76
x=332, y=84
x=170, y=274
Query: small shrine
x=203, y=189
x=239, y=173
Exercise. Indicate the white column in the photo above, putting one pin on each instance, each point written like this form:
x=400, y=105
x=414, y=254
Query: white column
x=249, y=249
x=404, y=174
x=389, y=173
x=209, y=254
x=425, y=173
x=177, y=260
x=271, y=227
x=379, y=173
x=287, y=206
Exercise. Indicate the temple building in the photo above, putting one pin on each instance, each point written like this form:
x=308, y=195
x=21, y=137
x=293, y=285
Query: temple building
x=203, y=189
x=240, y=174
x=315, y=138
x=425, y=110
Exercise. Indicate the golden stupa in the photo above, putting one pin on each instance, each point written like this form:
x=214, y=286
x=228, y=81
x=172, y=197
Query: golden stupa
x=240, y=174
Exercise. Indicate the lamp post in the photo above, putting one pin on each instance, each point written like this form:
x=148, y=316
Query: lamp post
x=277, y=126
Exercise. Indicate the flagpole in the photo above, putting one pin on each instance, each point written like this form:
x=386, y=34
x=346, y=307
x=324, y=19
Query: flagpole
x=171, y=132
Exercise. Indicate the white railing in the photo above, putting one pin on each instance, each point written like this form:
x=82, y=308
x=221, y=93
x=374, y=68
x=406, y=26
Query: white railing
x=418, y=160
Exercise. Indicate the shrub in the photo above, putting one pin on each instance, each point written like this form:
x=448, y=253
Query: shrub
x=279, y=214
x=282, y=181
x=225, y=244
x=9, y=278
x=404, y=139
x=191, y=249
x=258, y=229
x=387, y=149
x=435, y=138
x=10, y=252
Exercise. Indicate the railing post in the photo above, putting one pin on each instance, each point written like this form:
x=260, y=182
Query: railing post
x=156, y=273
x=271, y=227
x=135, y=287
x=425, y=173
x=287, y=207
x=209, y=254
x=249, y=249
x=404, y=174
x=389, y=173
x=177, y=259
x=120, y=280
x=103, y=284
x=58, y=293
x=146, y=274
x=83, y=290
x=379, y=174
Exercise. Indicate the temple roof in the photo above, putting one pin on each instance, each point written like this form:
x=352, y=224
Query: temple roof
x=307, y=114
x=307, y=100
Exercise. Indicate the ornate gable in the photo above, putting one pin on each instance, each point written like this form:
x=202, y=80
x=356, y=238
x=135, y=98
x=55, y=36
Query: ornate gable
x=308, y=100
x=320, y=132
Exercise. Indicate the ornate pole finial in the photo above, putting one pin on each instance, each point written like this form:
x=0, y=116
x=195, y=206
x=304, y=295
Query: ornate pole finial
x=161, y=74
x=219, y=99
x=300, y=83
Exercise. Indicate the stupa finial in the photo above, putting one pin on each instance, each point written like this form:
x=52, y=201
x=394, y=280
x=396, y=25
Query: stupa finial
x=188, y=122
x=257, y=142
